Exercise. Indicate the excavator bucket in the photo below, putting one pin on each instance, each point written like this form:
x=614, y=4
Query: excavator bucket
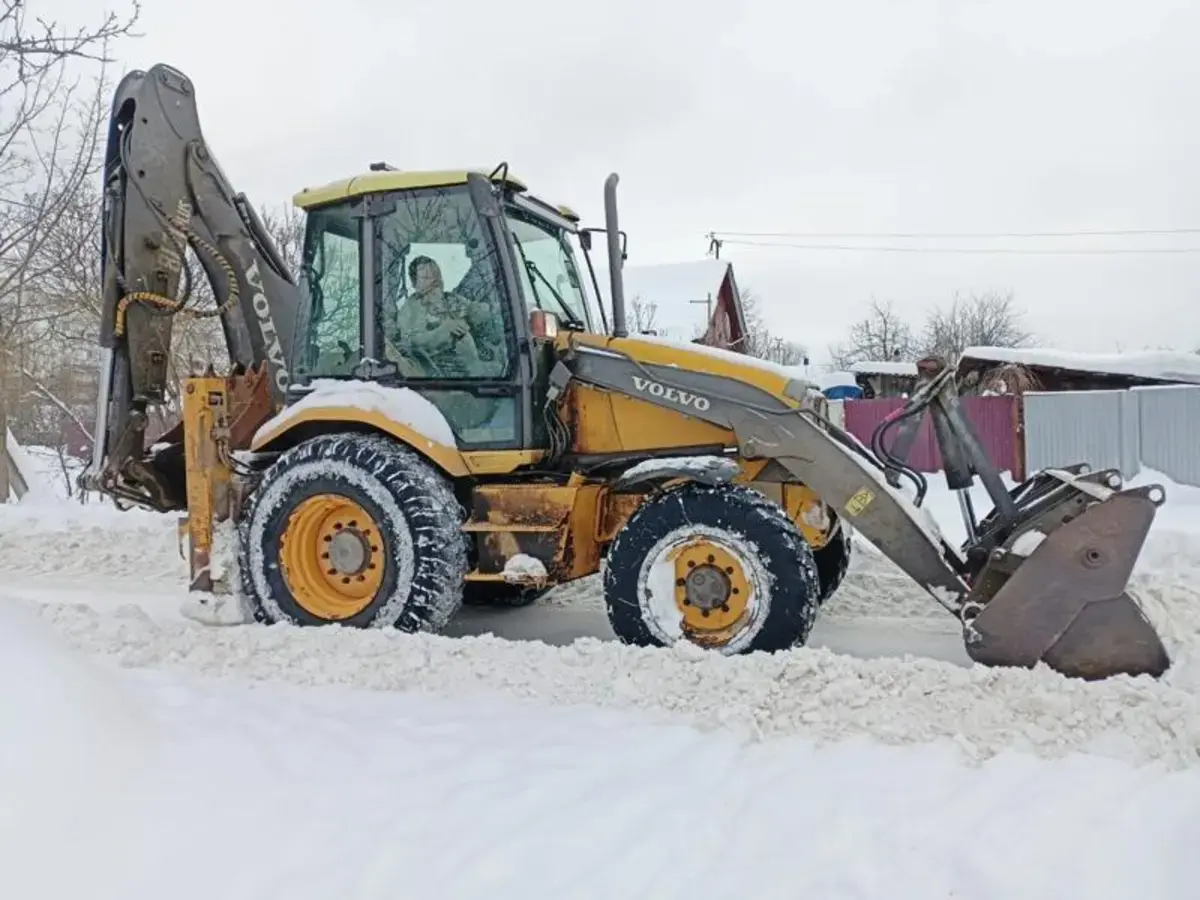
x=1056, y=591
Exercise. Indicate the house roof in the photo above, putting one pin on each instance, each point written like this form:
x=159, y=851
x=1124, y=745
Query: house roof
x=678, y=291
x=1159, y=365
x=884, y=367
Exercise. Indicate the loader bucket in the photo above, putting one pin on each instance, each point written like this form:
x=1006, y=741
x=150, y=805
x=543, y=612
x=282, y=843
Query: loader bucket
x=1065, y=604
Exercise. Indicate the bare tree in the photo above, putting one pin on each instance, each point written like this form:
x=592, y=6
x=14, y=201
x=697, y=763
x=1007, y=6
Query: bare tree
x=644, y=314
x=286, y=229
x=51, y=123
x=880, y=336
x=759, y=341
x=990, y=319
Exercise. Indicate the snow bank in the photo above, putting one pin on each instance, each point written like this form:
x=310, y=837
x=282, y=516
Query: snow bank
x=72, y=744
x=814, y=693
x=63, y=538
x=401, y=405
x=269, y=791
x=43, y=470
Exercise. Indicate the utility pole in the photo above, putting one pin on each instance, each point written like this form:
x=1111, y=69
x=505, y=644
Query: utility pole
x=708, y=312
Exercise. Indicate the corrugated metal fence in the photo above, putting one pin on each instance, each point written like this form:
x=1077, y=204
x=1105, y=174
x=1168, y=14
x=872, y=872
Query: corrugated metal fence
x=995, y=420
x=1156, y=427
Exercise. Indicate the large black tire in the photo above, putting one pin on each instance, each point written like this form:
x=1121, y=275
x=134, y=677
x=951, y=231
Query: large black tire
x=424, y=549
x=832, y=562
x=770, y=548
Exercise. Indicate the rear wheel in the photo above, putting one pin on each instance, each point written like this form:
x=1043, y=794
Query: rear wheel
x=832, y=562
x=356, y=530
x=721, y=566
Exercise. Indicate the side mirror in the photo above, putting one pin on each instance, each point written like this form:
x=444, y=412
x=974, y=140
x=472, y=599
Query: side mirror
x=543, y=326
x=585, y=240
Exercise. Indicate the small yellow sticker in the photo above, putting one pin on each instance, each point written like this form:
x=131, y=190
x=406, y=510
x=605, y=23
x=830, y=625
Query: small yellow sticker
x=859, y=501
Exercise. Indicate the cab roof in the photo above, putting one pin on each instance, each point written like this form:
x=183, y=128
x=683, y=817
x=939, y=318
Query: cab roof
x=399, y=180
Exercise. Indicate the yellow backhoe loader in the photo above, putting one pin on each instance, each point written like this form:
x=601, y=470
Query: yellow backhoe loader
x=436, y=409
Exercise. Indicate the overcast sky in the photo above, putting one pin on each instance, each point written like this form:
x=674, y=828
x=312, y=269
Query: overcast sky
x=855, y=116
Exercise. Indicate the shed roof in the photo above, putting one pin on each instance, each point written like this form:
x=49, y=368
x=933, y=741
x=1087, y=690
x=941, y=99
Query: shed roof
x=1158, y=365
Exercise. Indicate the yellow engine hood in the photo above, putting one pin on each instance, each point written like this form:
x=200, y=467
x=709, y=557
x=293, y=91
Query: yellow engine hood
x=787, y=384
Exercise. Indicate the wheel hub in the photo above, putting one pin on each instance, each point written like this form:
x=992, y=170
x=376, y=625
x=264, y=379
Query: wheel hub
x=711, y=591
x=332, y=556
x=707, y=588
x=349, y=552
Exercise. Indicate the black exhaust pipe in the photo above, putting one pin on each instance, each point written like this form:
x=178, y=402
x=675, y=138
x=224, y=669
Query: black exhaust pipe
x=614, y=256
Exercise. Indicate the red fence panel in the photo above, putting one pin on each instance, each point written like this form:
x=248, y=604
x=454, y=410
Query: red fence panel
x=994, y=418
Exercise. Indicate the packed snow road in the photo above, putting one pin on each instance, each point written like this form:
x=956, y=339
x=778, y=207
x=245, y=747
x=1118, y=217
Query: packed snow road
x=167, y=758
x=154, y=782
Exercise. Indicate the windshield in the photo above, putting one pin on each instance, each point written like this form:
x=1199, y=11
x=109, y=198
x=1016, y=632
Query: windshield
x=546, y=266
x=581, y=257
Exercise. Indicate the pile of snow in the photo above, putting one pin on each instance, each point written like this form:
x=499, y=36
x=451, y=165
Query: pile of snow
x=809, y=692
x=48, y=475
x=523, y=568
x=97, y=540
x=261, y=791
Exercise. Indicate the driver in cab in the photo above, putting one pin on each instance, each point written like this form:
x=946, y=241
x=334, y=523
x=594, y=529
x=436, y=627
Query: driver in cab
x=442, y=328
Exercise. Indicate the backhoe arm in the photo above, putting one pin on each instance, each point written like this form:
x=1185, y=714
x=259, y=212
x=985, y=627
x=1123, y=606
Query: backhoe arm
x=164, y=193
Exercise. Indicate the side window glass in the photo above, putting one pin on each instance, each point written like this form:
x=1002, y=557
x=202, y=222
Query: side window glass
x=334, y=327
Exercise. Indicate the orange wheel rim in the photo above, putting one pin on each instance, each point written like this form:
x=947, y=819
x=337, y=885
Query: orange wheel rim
x=711, y=591
x=332, y=555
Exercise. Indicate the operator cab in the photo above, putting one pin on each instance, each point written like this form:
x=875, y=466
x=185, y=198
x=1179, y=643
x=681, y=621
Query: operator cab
x=441, y=282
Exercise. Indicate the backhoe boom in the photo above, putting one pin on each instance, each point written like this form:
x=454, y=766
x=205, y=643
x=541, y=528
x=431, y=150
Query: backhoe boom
x=164, y=194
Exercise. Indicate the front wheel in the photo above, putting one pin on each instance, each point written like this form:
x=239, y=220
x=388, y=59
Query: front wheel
x=357, y=530
x=721, y=566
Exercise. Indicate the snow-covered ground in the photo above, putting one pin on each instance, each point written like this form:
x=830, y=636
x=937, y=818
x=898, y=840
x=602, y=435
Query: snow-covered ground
x=528, y=754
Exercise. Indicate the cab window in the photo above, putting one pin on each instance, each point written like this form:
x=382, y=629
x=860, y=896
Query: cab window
x=444, y=313
x=332, y=330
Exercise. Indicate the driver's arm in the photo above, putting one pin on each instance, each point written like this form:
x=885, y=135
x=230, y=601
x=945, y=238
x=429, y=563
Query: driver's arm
x=413, y=331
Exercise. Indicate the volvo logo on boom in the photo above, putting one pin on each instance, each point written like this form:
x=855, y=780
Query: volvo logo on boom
x=675, y=395
x=271, y=341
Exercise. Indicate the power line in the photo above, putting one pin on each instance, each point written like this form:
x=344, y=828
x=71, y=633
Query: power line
x=1006, y=251
x=955, y=235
